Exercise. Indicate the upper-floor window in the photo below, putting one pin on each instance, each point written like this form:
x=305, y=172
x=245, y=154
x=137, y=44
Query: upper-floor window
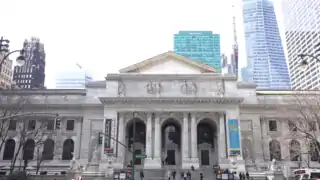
x=273, y=125
x=32, y=124
x=12, y=125
x=70, y=125
x=50, y=125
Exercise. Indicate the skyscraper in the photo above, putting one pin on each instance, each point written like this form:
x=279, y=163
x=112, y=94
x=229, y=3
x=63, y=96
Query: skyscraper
x=202, y=46
x=32, y=74
x=266, y=63
x=302, y=27
x=72, y=79
x=5, y=72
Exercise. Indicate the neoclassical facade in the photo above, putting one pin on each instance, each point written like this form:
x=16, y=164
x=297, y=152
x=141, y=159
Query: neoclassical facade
x=184, y=114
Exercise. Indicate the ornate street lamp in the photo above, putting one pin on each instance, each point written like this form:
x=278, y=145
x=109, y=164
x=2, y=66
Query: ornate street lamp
x=4, y=47
x=304, y=63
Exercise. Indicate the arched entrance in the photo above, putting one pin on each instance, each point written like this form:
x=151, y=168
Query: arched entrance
x=171, y=142
x=139, y=142
x=207, y=142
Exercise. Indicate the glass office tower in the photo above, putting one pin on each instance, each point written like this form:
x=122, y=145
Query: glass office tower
x=202, y=46
x=302, y=26
x=266, y=63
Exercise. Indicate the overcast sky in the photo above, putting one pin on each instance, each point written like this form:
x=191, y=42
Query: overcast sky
x=105, y=36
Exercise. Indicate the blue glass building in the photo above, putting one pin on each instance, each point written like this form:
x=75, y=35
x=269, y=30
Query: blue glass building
x=203, y=46
x=266, y=63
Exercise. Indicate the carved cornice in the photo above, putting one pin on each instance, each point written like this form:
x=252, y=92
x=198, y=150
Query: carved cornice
x=136, y=76
x=176, y=100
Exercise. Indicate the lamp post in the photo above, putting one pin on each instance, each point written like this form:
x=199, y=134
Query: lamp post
x=304, y=63
x=4, y=47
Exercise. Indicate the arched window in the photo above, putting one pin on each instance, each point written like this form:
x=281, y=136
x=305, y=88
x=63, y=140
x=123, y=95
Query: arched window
x=275, y=150
x=68, y=148
x=295, y=150
x=48, y=149
x=314, y=152
x=9, y=148
x=28, y=149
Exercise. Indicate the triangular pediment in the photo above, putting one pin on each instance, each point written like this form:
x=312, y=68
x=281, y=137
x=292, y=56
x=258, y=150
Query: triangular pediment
x=169, y=63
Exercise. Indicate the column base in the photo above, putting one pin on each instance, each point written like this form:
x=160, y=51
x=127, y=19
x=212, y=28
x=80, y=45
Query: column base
x=187, y=163
x=152, y=163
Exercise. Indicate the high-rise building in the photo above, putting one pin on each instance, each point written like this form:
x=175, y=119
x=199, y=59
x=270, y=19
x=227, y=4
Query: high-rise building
x=202, y=46
x=72, y=79
x=5, y=73
x=32, y=74
x=266, y=62
x=302, y=29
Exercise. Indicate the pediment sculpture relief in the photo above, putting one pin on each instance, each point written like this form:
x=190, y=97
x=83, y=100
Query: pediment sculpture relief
x=189, y=88
x=154, y=87
x=121, y=88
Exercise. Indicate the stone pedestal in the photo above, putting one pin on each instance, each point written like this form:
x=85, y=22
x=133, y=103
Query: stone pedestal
x=152, y=163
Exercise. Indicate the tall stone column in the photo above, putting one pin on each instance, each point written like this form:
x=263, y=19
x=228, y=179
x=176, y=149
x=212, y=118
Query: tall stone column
x=186, y=163
x=194, y=145
x=149, y=136
x=222, y=137
x=121, y=138
x=153, y=163
x=157, y=139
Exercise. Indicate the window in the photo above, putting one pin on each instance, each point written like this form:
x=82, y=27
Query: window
x=272, y=125
x=32, y=124
x=70, y=125
x=12, y=125
x=50, y=125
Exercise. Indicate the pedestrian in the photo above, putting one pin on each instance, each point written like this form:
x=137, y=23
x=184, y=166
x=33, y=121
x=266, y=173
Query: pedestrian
x=185, y=176
x=141, y=175
x=247, y=175
x=240, y=176
x=174, y=175
x=169, y=175
x=201, y=176
x=189, y=175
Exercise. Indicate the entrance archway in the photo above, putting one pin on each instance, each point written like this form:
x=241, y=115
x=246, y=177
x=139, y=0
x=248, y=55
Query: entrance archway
x=140, y=140
x=171, y=142
x=207, y=142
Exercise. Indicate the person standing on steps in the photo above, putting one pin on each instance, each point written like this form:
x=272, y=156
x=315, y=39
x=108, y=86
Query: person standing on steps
x=188, y=175
x=174, y=175
x=169, y=175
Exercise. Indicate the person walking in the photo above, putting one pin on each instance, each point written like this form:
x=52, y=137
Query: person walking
x=169, y=175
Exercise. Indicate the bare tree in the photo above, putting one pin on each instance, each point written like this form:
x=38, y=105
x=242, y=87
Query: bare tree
x=304, y=124
x=40, y=157
x=25, y=137
x=11, y=103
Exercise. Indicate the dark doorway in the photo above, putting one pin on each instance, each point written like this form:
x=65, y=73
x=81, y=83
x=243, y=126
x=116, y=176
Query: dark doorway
x=171, y=157
x=140, y=134
x=205, y=158
x=171, y=133
x=138, y=160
